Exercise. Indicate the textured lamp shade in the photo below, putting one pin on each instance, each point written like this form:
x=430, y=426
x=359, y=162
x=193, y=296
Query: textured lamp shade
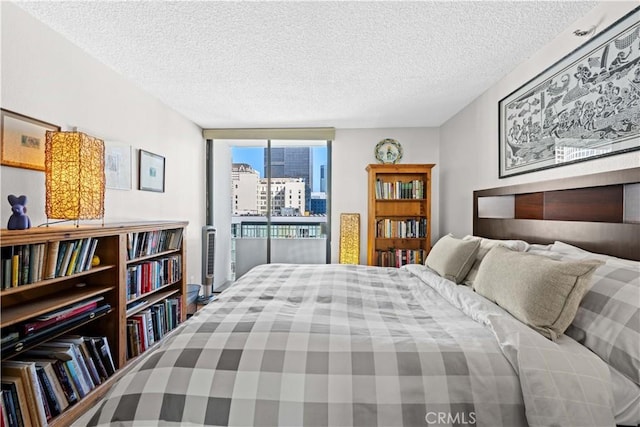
x=349, y=238
x=74, y=176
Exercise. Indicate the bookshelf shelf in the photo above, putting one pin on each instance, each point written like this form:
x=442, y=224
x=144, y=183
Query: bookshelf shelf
x=22, y=312
x=150, y=299
x=37, y=313
x=399, y=200
x=399, y=208
x=148, y=257
x=48, y=282
x=16, y=350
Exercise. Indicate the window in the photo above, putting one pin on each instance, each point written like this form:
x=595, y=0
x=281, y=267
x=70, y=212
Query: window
x=266, y=181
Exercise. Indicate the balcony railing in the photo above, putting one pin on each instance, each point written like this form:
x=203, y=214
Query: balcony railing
x=299, y=240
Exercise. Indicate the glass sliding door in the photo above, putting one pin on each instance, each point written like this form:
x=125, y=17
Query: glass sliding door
x=279, y=203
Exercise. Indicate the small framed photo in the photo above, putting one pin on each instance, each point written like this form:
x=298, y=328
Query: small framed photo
x=150, y=172
x=22, y=140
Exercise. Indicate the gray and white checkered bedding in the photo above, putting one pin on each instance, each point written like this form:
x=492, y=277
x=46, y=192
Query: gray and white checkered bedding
x=338, y=345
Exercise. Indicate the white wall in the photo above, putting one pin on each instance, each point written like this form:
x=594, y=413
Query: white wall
x=352, y=151
x=469, y=141
x=46, y=77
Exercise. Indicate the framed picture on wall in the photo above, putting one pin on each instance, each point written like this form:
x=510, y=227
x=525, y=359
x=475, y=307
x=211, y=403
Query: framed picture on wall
x=150, y=171
x=117, y=165
x=22, y=140
x=585, y=106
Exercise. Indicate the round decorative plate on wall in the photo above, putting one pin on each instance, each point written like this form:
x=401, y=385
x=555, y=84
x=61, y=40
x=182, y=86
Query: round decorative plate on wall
x=388, y=151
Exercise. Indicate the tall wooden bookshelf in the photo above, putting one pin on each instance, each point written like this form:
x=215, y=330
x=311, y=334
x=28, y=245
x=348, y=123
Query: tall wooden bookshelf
x=399, y=214
x=35, y=295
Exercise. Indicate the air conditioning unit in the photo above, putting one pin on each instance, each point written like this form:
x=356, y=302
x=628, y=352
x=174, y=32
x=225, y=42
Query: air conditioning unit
x=208, y=258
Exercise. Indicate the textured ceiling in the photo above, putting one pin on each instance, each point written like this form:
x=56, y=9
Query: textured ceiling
x=306, y=64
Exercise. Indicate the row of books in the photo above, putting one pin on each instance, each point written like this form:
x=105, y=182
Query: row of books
x=153, y=242
x=400, y=257
x=149, y=276
x=48, y=379
x=409, y=228
x=148, y=326
x=26, y=264
x=399, y=189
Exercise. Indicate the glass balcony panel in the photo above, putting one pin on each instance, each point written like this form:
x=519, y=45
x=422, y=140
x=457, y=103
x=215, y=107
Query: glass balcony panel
x=249, y=253
x=299, y=251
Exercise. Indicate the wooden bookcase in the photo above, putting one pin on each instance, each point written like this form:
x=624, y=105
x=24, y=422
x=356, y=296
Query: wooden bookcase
x=108, y=279
x=399, y=214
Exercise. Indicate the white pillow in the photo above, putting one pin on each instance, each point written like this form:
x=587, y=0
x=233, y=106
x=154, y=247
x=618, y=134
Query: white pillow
x=452, y=258
x=485, y=246
x=539, y=247
x=539, y=291
x=579, y=253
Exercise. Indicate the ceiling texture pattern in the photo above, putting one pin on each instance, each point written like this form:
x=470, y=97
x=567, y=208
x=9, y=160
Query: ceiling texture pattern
x=306, y=64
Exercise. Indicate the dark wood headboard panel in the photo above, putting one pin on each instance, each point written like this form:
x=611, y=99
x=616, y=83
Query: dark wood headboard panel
x=585, y=211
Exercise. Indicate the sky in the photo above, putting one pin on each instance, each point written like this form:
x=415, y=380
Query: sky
x=255, y=157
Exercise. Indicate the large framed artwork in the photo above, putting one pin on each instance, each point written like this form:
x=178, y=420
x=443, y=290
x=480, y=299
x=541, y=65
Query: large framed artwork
x=22, y=140
x=585, y=106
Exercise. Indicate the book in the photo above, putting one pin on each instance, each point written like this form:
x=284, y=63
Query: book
x=51, y=259
x=15, y=267
x=32, y=266
x=92, y=252
x=44, y=403
x=140, y=321
x=91, y=365
x=4, y=420
x=18, y=393
x=68, y=252
x=61, y=254
x=24, y=265
x=82, y=255
x=74, y=258
x=40, y=248
x=55, y=316
x=27, y=371
x=97, y=360
x=149, y=322
x=176, y=239
x=9, y=337
x=131, y=346
x=68, y=387
x=49, y=394
x=10, y=396
x=7, y=256
x=136, y=336
x=47, y=365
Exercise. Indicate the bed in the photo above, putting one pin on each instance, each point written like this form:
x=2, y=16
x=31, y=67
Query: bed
x=343, y=345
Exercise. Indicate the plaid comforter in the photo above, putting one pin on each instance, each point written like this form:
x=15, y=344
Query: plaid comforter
x=331, y=345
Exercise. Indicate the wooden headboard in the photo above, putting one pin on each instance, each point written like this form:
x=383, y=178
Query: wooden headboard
x=599, y=213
